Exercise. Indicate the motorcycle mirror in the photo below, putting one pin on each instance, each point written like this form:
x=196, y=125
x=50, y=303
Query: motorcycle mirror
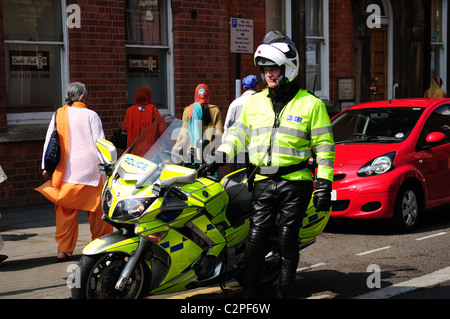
x=176, y=176
x=108, y=151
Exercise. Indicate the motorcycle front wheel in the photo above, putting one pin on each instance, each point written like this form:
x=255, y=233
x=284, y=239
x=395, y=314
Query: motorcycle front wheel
x=96, y=277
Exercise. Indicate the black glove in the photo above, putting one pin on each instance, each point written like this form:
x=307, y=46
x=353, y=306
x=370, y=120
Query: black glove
x=322, y=195
x=213, y=164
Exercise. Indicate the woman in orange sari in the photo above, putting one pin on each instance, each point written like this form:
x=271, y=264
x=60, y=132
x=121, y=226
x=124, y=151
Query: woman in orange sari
x=76, y=183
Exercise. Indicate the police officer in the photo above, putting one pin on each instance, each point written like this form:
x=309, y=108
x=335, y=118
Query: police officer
x=283, y=127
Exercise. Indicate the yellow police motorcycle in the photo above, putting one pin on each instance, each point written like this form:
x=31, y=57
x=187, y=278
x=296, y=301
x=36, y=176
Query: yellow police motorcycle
x=176, y=229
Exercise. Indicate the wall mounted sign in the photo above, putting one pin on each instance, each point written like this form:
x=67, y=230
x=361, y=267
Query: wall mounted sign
x=241, y=35
x=346, y=89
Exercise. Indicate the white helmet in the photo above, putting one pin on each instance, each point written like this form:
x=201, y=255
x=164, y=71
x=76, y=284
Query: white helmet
x=278, y=50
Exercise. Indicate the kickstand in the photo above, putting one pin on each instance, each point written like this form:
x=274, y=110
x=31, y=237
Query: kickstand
x=223, y=288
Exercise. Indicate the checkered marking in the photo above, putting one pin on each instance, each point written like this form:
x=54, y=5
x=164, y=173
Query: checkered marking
x=174, y=248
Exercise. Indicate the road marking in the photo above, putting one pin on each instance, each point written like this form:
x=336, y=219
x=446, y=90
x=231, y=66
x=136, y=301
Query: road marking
x=320, y=297
x=211, y=290
x=431, y=236
x=425, y=281
x=373, y=251
x=313, y=266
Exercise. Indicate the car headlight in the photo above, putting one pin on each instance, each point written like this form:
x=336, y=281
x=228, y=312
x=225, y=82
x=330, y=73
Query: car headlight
x=128, y=209
x=379, y=165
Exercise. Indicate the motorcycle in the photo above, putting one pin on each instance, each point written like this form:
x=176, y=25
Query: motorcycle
x=176, y=229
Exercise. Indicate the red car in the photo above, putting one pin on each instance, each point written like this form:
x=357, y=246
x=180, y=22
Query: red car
x=392, y=160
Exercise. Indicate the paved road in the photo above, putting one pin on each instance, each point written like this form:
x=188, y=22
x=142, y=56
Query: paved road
x=346, y=259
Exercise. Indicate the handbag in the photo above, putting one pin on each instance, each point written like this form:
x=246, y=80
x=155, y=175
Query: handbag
x=53, y=151
x=119, y=139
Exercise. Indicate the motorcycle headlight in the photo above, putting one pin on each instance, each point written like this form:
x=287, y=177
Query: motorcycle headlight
x=129, y=209
x=379, y=165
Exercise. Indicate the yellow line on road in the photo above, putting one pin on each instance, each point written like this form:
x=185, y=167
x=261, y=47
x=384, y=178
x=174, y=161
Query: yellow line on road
x=203, y=291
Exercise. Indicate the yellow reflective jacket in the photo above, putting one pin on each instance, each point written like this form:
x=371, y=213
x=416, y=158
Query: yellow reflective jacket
x=301, y=131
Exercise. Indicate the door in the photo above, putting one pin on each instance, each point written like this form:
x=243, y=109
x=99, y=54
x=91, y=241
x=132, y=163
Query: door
x=436, y=157
x=378, y=64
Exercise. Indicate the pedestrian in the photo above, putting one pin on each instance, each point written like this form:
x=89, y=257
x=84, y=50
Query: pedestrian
x=250, y=85
x=283, y=127
x=141, y=116
x=435, y=90
x=7, y=187
x=201, y=120
x=76, y=183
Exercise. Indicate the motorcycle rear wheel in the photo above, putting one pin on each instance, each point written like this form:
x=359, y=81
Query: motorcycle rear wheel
x=97, y=275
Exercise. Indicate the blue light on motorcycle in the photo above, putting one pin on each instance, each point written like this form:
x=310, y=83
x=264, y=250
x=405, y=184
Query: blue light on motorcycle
x=168, y=216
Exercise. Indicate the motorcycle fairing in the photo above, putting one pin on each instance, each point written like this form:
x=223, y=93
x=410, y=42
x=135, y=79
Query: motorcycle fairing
x=176, y=284
x=313, y=223
x=182, y=251
x=210, y=234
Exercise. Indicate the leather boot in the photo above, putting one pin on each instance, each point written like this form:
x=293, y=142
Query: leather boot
x=251, y=283
x=289, y=260
x=254, y=256
x=284, y=285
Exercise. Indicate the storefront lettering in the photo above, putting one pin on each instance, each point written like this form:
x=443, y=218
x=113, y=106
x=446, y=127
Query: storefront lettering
x=29, y=61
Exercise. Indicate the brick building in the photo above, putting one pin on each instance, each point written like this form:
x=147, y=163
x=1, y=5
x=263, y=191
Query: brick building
x=350, y=51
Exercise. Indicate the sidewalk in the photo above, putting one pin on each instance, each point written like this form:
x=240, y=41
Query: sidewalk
x=31, y=271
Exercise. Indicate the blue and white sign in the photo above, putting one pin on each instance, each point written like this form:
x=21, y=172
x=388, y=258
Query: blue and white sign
x=241, y=35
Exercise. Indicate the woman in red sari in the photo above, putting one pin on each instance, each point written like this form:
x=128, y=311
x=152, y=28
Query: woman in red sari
x=141, y=115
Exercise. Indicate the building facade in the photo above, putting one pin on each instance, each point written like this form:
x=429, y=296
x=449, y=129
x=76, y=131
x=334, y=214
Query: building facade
x=350, y=52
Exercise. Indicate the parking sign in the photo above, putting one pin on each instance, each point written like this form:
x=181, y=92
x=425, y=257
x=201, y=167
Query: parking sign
x=241, y=35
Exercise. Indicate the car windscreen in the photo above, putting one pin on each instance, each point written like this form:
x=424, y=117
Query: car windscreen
x=375, y=125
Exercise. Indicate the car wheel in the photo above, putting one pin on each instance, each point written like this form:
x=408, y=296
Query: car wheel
x=408, y=208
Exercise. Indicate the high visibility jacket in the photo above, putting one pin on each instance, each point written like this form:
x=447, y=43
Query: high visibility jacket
x=301, y=130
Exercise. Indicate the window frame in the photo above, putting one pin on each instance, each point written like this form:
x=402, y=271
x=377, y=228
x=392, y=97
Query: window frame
x=285, y=25
x=43, y=117
x=168, y=48
x=440, y=46
x=324, y=93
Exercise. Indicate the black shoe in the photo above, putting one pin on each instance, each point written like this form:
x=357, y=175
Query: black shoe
x=3, y=258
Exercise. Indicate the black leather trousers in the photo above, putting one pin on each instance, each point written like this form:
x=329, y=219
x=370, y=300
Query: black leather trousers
x=282, y=202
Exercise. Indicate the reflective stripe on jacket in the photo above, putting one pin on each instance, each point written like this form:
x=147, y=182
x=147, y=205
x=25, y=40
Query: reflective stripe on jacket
x=302, y=130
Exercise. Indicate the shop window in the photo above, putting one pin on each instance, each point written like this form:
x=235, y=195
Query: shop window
x=34, y=55
x=148, y=50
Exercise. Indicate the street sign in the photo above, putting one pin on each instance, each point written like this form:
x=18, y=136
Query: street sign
x=241, y=35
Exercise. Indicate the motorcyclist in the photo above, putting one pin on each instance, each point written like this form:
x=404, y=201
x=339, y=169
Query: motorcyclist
x=283, y=127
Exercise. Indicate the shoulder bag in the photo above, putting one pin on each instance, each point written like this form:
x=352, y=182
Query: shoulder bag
x=53, y=151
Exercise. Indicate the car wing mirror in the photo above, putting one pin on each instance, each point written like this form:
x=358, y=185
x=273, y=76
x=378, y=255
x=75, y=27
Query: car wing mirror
x=432, y=139
x=435, y=137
